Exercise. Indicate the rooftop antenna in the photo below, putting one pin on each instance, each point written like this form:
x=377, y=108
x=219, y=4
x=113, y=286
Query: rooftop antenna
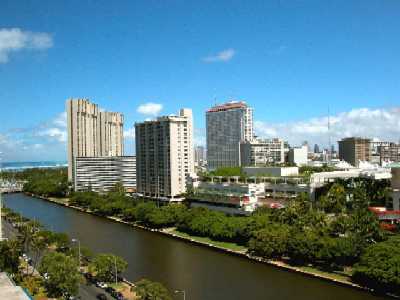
x=329, y=136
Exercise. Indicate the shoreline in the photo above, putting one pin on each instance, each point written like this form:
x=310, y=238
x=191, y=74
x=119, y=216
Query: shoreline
x=276, y=264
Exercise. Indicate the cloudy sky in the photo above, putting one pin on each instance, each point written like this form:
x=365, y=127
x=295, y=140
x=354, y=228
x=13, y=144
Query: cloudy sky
x=292, y=61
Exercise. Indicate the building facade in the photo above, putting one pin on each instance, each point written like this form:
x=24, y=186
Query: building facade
x=92, y=133
x=164, y=153
x=227, y=125
x=258, y=152
x=101, y=174
x=355, y=149
x=200, y=156
x=298, y=155
x=389, y=153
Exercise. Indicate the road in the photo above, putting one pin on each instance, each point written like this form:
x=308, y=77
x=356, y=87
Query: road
x=86, y=291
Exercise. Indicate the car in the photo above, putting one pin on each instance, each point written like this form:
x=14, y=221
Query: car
x=101, y=284
x=110, y=290
x=101, y=296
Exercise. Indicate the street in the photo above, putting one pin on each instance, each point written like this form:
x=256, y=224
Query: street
x=86, y=291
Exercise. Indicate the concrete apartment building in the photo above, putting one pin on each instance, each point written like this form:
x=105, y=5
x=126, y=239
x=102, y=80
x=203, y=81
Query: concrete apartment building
x=164, y=155
x=261, y=152
x=101, y=174
x=389, y=153
x=355, y=149
x=91, y=132
x=227, y=125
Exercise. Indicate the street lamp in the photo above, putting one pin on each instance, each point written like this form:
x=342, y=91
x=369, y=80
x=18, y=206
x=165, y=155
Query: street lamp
x=79, y=260
x=79, y=251
x=116, y=271
x=181, y=291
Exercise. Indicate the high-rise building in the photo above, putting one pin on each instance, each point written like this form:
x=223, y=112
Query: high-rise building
x=91, y=132
x=355, y=149
x=101, y=174
x=227, y=125
x=199, y=156
x=164, y=155
x=316, y=148
x=259, y=152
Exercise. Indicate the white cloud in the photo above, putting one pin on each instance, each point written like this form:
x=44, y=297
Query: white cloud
x=14, y=39
x=61, y=120
x=382, y=123
x=54, y=133
x=130, y=133
x=223, y=56
x=150, y=109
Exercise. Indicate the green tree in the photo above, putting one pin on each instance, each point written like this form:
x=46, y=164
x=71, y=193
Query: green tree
x=270, y=242
x=9, y=256
x=103, y=266
x=63, y=274
x=379, y=267
x=149, y=290
x=335, y=200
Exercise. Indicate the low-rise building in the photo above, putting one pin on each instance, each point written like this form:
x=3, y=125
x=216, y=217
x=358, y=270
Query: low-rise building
x=389, y=153
x=271, y=171
x=101, y=174
x=298, y=155
x=261, y=152
x=243, y=195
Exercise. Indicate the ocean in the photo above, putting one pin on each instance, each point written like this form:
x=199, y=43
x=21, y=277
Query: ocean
x=31, y=164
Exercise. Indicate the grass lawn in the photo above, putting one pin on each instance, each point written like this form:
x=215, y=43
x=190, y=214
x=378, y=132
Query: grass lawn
x=206, y=240
x=342, y=276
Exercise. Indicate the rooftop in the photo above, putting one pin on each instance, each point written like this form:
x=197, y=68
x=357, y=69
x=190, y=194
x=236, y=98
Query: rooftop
x=9, y=291
x=228, y=106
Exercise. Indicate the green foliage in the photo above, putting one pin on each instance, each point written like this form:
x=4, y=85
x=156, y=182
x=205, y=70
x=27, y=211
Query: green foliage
x=227, y=171
x=63, y=274
x=105, y=266
x=335, y=200
x=46, y=182
x=9, y=256
x=307, y=170
x=379, y=267
x=271, y=242
x=149, y=290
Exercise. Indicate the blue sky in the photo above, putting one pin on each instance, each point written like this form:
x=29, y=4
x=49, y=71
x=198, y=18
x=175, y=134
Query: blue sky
x=290, y=60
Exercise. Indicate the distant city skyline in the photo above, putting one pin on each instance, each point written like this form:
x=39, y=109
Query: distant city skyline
x=289, y=60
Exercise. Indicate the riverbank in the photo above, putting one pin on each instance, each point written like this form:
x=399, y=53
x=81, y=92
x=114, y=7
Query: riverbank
x=229, y=248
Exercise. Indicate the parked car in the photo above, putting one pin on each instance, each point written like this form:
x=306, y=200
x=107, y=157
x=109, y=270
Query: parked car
x=101, y=296
x=101, y=284
x=110, y=290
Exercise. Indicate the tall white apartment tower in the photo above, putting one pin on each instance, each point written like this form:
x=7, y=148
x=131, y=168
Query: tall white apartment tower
x=92, y=133
x=227, y=125
x=164, y=155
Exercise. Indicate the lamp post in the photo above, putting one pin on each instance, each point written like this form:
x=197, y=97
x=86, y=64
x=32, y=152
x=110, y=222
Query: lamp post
x=181, y=291
x=79, y=261
x=79, y=251
x=116, y=271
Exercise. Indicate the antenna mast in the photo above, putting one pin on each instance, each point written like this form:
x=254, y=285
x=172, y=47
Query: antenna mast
x=329, y=136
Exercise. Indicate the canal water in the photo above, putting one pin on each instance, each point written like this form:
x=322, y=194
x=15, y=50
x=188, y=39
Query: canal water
x=203, y=273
